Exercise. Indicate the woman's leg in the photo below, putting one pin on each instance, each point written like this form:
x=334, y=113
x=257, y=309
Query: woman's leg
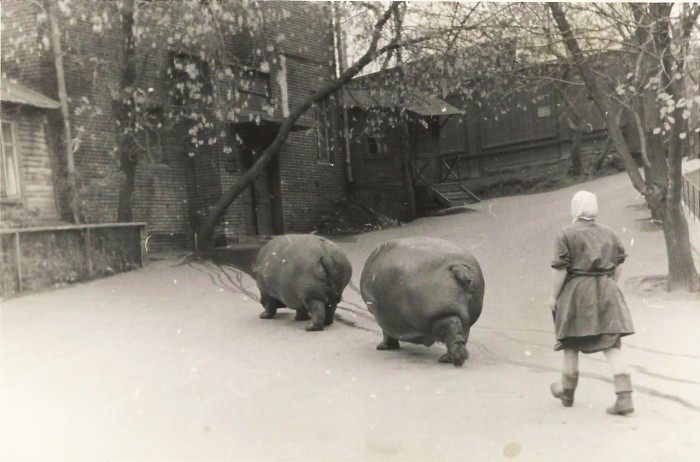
x=570, y=365
x=622, y=381
x=569, y=379
x=616, y=361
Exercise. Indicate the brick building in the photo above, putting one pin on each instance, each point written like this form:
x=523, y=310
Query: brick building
x=176, y=184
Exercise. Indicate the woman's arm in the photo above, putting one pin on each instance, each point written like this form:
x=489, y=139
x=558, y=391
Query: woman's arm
x=557, y=280
x=616, y=273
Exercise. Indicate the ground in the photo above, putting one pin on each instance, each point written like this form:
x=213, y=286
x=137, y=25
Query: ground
x=171, y=362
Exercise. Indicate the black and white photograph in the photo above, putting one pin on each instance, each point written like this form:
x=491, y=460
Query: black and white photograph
x=269, y=230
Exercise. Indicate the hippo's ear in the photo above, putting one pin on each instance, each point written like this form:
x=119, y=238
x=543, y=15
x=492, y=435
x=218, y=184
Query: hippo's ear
x=462, y=275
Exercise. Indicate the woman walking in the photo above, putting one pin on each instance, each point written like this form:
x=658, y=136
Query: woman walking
x=590, y=313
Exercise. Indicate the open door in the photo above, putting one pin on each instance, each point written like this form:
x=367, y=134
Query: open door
x=263, y=204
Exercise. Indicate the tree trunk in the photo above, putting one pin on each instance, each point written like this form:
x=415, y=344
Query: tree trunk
x=204, y=234
x=126, y=194
x=124, y=108
x=657, y=178
x=65, y=113
x=682, y=274
x=408, y=193
x=409, y=196
x=601, y=158
x=576, y=161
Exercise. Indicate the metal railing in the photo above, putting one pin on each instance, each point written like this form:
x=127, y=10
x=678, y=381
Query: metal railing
x=691, y=194
x=92, y=242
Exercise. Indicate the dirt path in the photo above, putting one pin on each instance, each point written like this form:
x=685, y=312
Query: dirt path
x=172, y=363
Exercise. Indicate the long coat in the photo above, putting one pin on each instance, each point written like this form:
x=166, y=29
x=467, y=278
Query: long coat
x=590, y=302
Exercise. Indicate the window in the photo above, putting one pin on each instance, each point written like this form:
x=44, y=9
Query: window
x=544, y=111
x=152, y=136
x=9, y=165
x=191, y=80
x=376, y=145
x=323, y=131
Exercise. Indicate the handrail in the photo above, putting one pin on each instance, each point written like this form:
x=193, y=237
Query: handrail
x=418, y=170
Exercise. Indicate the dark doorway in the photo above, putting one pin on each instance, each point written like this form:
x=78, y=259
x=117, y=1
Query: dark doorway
x=263, y=203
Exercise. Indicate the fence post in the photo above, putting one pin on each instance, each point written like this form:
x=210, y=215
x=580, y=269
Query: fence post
x=88, y=252
x=18, y=260
x=142, y=233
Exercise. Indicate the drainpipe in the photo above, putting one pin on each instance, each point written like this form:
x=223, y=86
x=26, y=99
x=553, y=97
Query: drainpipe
x=339, y=56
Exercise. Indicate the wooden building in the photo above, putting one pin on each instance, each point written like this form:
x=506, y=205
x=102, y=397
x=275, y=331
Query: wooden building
x=27, y=162
x=460, y=146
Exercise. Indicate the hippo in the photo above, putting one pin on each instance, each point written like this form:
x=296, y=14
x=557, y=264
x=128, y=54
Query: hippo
x=304, y=272
x=424, y=290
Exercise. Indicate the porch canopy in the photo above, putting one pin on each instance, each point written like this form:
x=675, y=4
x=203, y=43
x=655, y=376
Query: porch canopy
x=13, y=92
x=421, y=103
x=254, y=118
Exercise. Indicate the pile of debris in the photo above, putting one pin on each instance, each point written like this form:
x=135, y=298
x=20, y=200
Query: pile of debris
x=348, y=216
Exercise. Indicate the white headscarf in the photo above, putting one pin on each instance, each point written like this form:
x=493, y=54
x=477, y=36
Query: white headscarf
x=584, y=206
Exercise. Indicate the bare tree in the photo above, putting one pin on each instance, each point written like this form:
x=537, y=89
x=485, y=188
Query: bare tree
x=657, y=41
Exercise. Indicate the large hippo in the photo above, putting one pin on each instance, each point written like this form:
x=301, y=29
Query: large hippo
x=424, y=290
x=303, y=272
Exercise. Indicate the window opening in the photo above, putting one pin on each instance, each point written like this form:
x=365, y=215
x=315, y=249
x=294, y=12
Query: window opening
x=9, y=165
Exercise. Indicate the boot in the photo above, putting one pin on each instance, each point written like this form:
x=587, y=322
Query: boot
x=565, y=390
x=623, y=390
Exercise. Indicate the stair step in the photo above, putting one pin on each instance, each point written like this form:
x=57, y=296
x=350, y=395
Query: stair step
x=457, y=196
x=448, y=188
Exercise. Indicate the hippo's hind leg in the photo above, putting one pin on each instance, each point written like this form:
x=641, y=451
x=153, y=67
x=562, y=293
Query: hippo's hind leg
x=317, y=310
x=302, y=314
x=450, y=331
x=389, y=343
x=330, y=313
x=270, y=306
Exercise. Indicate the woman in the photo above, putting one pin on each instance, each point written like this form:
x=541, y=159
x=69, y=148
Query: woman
x=590, y=313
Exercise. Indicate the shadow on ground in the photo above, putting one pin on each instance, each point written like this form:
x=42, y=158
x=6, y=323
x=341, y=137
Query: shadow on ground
x=239, y=257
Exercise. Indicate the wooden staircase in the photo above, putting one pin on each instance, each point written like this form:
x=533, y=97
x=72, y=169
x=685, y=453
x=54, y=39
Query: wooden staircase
x=448, y=192
x=453, y=194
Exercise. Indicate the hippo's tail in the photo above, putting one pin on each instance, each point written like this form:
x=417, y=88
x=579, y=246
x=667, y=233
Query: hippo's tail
x=333, y=274
x=462, y=275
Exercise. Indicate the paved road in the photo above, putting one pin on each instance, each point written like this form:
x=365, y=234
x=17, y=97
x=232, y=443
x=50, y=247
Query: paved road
x=171, y=362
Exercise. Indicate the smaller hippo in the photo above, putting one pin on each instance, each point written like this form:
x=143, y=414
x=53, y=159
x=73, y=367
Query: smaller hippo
x=303, y=272
x=424, y=290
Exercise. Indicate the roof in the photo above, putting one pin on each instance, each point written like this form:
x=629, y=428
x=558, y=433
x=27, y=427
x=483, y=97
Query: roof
x=418, y=102
x=13, y=92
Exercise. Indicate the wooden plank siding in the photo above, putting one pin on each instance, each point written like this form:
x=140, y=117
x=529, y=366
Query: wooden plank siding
x=377, y=179
x=522, y=138
x=38, y=194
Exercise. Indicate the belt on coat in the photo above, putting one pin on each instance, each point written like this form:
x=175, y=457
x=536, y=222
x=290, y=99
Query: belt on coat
x=596, y=274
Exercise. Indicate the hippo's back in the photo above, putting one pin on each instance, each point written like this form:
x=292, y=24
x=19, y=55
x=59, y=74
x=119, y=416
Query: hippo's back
x=293, y=267
x=409, y=283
